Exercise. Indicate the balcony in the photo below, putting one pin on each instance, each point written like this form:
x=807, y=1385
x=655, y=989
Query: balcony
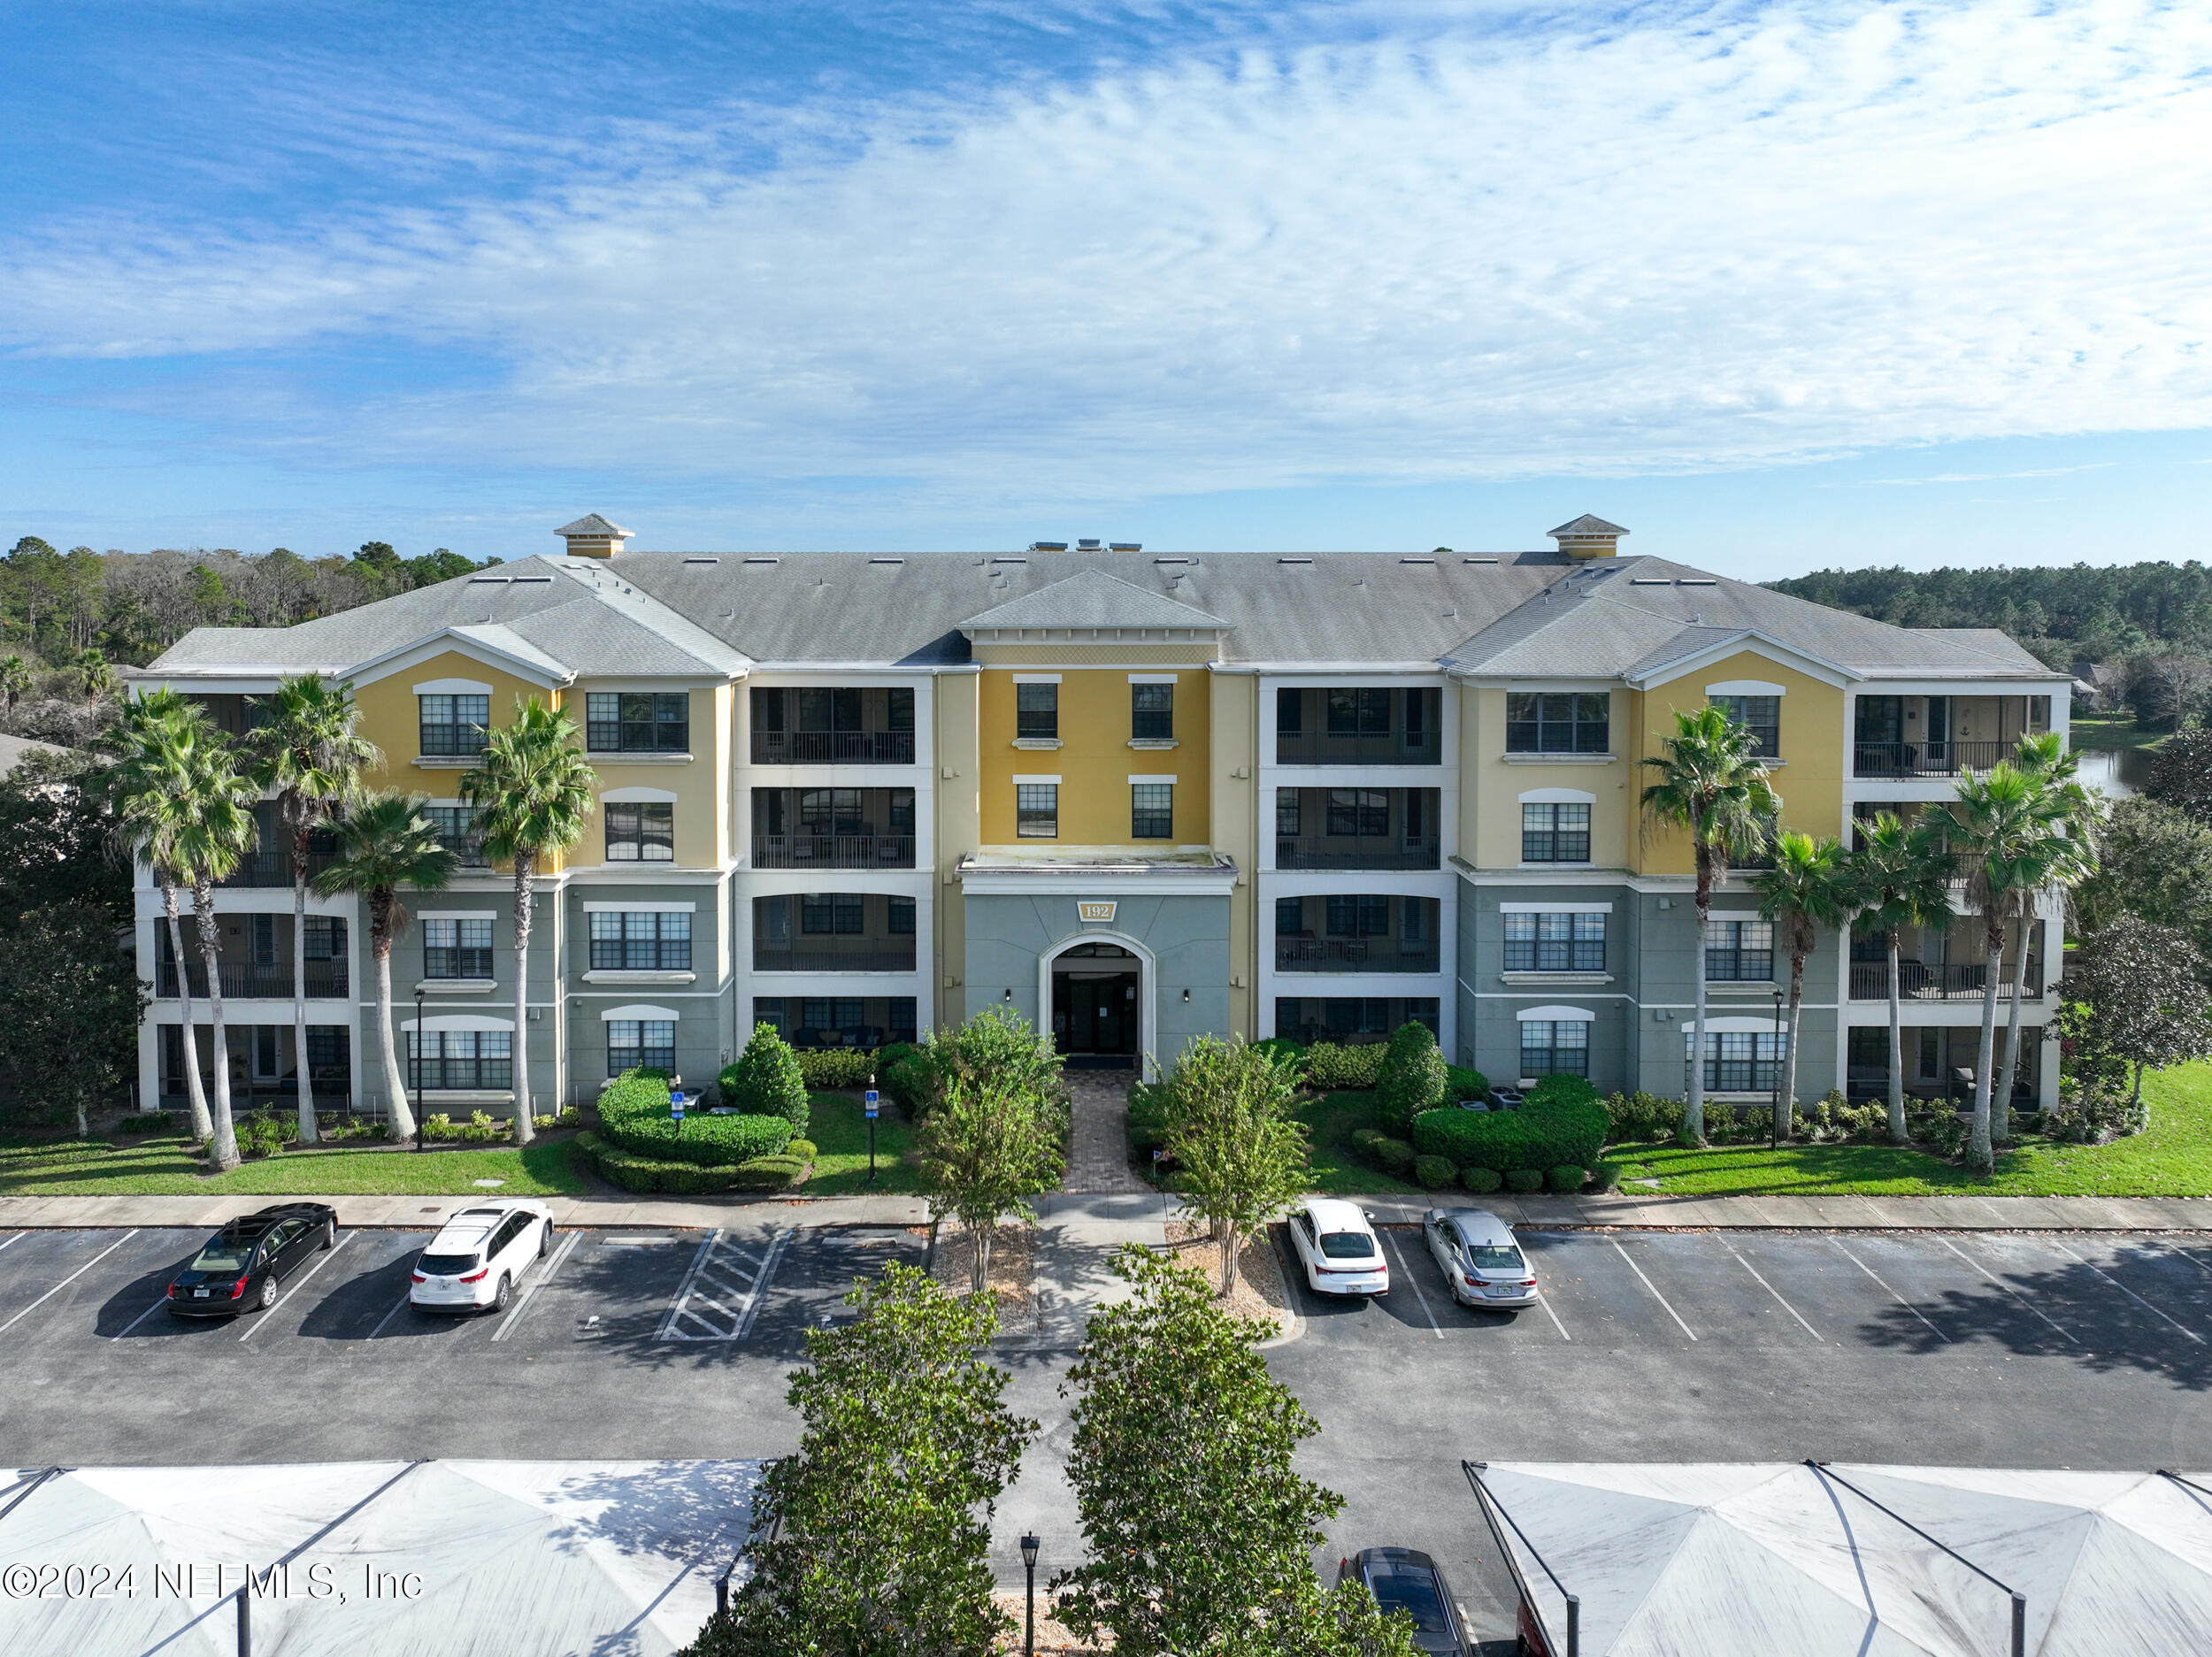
x=804, y=725
x=270, y=862
x=1359, y=728
x=832, y=851
x=833, y=748
x=1941, y=736
x=833, y=828
x=1378, y=852
x=1926, y=759
x=1353, y=954
x=325, y=981
x=833, y=932
x=1355, y=932
x=1357, y=828
x=1942, y=981
x=833, y=955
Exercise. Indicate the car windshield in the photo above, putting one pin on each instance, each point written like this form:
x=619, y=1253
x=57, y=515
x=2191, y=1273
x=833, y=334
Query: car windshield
x=447, y=1265
x=223, y=1253
x=1413, y=1592
x=1348, y=1245
x=1496, y=1257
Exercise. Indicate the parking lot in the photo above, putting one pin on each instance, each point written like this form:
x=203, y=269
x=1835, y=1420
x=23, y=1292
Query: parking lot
x=2045, y=1349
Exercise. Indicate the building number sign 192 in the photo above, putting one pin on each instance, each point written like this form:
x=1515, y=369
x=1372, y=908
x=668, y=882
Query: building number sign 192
x=1095, y=909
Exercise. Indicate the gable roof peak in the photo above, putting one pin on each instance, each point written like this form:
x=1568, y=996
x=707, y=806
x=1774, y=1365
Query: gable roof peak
x=1094, y=599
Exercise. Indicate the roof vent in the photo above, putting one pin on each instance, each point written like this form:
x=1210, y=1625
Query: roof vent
x=1047, y=546
x=1062, y=548
x=1430, y=562
x=1651, y=581
x=887, y=561
x=1185, y=560
x=1125, y=546
x=1294, y=560
x=519, y=580
x=490, y=580
x=701, y=560
x=1479, y=561
x=1700, y=580
x=592, y=536
x=760, y=561
x=1588, y=537
x=1088, y=546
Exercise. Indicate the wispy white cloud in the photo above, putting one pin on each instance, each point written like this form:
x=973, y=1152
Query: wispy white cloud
x=1990, y=477
x=1684, y=238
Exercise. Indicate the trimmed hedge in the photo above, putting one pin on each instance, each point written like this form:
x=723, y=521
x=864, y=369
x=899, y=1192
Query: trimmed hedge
x=1605, y=1176
x=1336, y=1069
x=835, y=1068
x=634, y=1117
x=1393, y=1157
x=1411, y=1078
x=769, y=1079
x=1482, y=1181
x=1567, y=1178
x=1280, y=1046
x=1524, y=1180
x=1434, y=1173
x=621, y=1168
x=1550, y=1130
x=1461, y=1083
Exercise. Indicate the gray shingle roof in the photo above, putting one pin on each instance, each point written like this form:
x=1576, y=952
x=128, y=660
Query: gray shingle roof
x=1588, y=524
x=592, y=524
x=1092, y=598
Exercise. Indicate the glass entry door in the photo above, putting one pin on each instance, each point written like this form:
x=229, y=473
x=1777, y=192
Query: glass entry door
x=1095, y=1005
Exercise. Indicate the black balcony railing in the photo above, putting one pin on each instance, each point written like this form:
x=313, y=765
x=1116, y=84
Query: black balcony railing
x=326, y=979
x=1927, y=759
x=1346, y=851
x=1389, y=748
x=832, y=851
x=833, y=748
x=860, y=955
x=1353, y=955
x=1958, y=981
x=269, y=865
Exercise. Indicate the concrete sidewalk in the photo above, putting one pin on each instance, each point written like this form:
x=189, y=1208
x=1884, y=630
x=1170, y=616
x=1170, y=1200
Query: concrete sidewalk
x=1102, y=1218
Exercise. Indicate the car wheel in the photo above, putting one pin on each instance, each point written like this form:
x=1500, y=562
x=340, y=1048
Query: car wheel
x=505, y=1292
x=545, y=1239
x=268, y=1293
x=330, y=1233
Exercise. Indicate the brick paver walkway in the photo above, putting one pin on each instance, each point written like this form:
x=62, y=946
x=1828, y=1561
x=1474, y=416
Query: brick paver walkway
x=1098, y=1147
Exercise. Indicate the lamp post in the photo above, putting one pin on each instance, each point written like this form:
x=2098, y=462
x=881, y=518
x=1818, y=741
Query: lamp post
x=1030, y=1549
x=415, y=1056
x=1774, y=1128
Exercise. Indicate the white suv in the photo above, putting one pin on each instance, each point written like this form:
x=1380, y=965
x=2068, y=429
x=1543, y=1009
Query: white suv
x=479, y=1254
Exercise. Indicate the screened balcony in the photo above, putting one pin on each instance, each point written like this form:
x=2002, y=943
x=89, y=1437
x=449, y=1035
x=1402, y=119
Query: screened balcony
x=833, y=828
x=1355, y=933
x=270, y=862
x=1357, y=828
x=1939, y=966
x=1359, y=725
x=833, y=932
x=850, y=725
x=253, y=958
x=1941, y=736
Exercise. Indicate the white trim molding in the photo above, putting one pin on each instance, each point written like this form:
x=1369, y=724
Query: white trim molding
x=641, y=1009
x=1555, y=796
x=641, y=908
x=1155, y=679
x=1746, y=688
x=1034, y=778
x=460, y=1021
x=1734, y=1025
x=1556, y=1014
x=456, y=915
x=1147, y=989
x=451, y=688
x=1135, y=777
x=638, y=796
x=1555, y=908
x=1036, y=679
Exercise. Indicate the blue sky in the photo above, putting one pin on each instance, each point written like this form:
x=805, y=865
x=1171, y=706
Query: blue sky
x=1776, y=285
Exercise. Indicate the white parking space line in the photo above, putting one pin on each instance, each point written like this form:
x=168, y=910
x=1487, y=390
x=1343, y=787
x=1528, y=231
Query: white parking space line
x=388, y=1317
x=760, y=1285
x=1544, y=1300
x=721, y=1294
x=683, y=1289
x=1435, y=1328
x=18, y=1238
x=332, y=1254
x=1777, y=1294
x=1893, y=1293
x=2171, y=1248
x=66, y=1281
x=1656, y=1295
x=514, y=1315
x=143, y=1315
x=2008, y=1288
x=2124, y=1289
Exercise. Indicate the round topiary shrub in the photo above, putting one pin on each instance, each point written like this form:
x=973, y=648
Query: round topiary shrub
x=766, y=1080
x=1605, y=1176
x=1363, y=1140
x=1482, y=1181
x=1434, y=1173
x=802, y=1149
x=1412, y=1079
x=1524, y=1180
x=1566, y=1178
x=1393, y=1157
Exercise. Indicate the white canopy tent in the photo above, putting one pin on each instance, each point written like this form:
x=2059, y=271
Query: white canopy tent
x=1719, y=1560
x=442, y=1558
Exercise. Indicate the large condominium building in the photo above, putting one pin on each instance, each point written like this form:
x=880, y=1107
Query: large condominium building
x=1132, y=797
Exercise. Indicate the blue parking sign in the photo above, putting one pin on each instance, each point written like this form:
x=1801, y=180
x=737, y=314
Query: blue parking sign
x=868, y=1100
x=676, y=1105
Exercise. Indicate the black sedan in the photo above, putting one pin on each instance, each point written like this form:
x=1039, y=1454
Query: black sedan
x=1402, y=1579
x=238, y=1270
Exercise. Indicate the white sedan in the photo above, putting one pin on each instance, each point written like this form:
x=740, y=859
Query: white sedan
x=480, y=1253
x=1339, y=1248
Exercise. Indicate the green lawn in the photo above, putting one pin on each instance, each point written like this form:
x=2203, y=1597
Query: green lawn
x=1337, y=1170
x=163, y=1165
x=2171, y=1158
x=2112, y=729
x=840, y=1133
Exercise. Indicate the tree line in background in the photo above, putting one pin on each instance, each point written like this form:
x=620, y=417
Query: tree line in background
x=2145, y=629
x=67, y=619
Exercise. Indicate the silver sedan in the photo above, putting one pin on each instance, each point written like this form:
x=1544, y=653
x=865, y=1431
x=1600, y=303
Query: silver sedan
x=1480, y=1258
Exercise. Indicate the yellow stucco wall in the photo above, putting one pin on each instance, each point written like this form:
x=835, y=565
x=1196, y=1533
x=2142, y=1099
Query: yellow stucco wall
x=1095, y=761
x=1234, y=741
x=1491, y=786
x=958, y=832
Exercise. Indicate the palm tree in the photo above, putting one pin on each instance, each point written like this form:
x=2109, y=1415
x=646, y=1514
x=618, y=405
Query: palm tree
x=1808, y=887
x=2068, y=860
x=15, y=679
x=95, y=677
x=533, y=791
x=384, y=844
x=310, y=753
x=215, y=830
x=1903, y=874
x=153, y=744
x=1713, y=786
x=2010, y=826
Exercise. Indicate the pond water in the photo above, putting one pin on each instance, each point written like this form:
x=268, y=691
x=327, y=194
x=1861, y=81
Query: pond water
x=2115, y=771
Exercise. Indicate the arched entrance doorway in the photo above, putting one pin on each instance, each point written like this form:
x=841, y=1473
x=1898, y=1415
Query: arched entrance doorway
x=1097, y=1000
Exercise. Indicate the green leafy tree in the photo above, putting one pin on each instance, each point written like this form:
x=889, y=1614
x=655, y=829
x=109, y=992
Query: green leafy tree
x=1200, y=1531
x=2181, y=776
x=1240, y=1155
x=15, y=679
x=2154, y=861
x=874, y=1540
x=74, y=1000
x=1903, y=876
x=1713, y=787
x=155, y=746
x=997, y=1042
x=384, y=844
x=310, y=751
x=2136, y=998
x=766, y=1081
x=1810, y=887
x=993, y=1144
x=58, y=841
x=1412, y=1078
x=534, y=793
